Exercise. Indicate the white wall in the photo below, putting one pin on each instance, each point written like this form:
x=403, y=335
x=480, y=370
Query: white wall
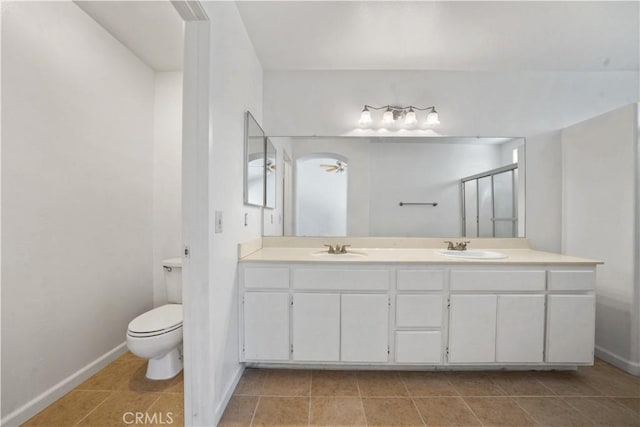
x=167, y=176
x=599, y=220
x=77, y=138
x=328, y=103
x=235, y=86
x=544, y=191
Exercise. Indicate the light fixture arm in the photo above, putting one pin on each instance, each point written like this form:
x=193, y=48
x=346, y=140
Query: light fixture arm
x=398, y=107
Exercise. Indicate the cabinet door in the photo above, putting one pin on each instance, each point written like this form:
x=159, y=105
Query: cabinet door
x=472, y=328
x=316, y=327
x=520, y=329
x=364, y=328
x=571, y=328
x=266, y=326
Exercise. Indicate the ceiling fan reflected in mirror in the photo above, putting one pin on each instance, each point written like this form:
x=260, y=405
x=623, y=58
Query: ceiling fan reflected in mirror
x=339, y=167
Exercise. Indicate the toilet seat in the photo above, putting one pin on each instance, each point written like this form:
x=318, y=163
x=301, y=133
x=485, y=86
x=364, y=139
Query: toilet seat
x=159, y=321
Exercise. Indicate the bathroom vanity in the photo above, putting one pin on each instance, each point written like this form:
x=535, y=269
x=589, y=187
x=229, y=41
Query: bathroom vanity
x=415, y=307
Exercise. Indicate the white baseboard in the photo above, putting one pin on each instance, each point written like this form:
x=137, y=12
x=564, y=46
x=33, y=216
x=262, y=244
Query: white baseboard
x=45, y=399
x=228, y=394
x=626, y=365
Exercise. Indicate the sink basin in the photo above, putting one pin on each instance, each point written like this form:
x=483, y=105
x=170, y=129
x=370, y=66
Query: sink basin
x=473, y=254
x=348, y=255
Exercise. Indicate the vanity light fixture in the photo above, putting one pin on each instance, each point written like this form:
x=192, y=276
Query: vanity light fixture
x=394, y=113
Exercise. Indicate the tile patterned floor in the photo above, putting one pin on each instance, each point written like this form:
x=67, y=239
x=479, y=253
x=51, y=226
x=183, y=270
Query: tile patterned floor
x=118, y=389
x=595, y=396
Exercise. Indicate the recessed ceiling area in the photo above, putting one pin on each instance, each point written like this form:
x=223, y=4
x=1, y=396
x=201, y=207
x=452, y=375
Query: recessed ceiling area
x=152, y=30
x=426, y=35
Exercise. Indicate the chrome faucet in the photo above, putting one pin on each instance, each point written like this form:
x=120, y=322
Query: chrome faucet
x=337, y=249
x=458, y=246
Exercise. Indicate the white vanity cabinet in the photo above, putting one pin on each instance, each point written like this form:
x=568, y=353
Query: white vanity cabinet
x=417, y=315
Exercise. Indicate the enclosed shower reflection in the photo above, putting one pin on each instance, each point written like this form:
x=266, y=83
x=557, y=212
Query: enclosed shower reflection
x=491, y=203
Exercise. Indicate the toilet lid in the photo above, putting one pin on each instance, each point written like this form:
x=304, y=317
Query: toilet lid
x=160, y=318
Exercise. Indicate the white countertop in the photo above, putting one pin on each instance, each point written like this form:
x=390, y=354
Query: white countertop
x=410, y=256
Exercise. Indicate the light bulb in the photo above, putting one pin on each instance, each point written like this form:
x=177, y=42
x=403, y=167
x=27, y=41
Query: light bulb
x=410, y=118
x=387, y=117
x=432, y=118
x=365, y=117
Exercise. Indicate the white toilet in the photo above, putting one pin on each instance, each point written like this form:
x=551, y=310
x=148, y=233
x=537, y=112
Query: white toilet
x=157, y=334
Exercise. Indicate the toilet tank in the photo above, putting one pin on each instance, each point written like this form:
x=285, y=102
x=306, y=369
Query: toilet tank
x=173, y=279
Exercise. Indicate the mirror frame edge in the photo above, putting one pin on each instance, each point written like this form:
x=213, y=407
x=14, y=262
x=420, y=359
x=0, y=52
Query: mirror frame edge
x=245, y=187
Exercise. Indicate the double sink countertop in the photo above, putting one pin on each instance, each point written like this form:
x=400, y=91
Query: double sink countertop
x=367, y=250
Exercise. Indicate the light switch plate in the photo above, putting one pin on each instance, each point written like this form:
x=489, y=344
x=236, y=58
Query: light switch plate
x=218, y=222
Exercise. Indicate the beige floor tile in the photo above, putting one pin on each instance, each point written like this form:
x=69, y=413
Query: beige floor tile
x=632, y=403
x=287, y=382
x=476, y=384
x=611, y=382
x=70, y=409
x=119, y=408
x=520, y=384
x=252, y=382
x=604, y=367
x=139, y=382
x=566, y=384
x=380, y=383
x=169, y=410
x=115, y=375
x=603, y=411
x=499, y=411
x=446, y=411
x=334, y=383
x=282, y=412
x=428, y=384
x=239, y=411
x=552, y=412
x=390, y=412
x=337, y=411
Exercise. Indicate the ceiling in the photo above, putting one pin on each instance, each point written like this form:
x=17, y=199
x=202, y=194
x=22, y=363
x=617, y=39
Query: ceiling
x=447, y=35
x=152, y=30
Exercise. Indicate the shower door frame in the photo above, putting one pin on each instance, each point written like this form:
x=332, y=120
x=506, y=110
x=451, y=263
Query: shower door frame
x=477, y=177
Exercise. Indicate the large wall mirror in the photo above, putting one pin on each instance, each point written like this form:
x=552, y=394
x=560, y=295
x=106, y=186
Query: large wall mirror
x=402, y=187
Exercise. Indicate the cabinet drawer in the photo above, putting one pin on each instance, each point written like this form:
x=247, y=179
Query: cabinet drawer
x=494, y=280
x=420, y=280
x=418, y=347
x=578, y=280
x=341, y=280
x=266, y=278
x=418, y=311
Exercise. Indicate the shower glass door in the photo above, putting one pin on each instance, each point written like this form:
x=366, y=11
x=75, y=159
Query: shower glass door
x=489, y=203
